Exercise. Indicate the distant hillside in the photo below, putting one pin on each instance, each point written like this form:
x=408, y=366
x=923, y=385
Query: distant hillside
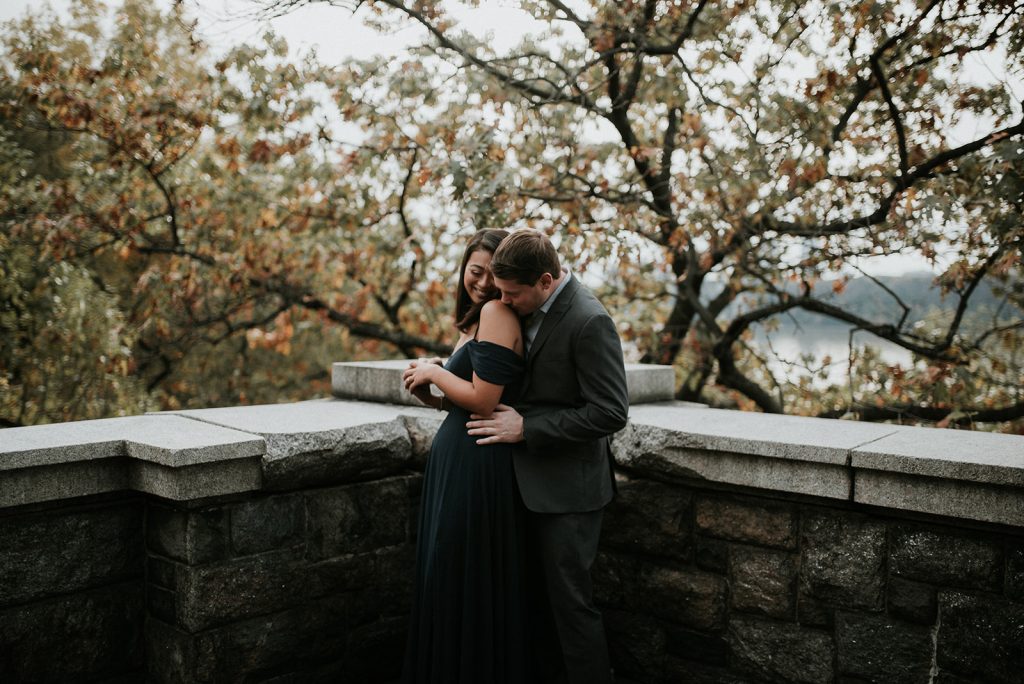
x=865, y=298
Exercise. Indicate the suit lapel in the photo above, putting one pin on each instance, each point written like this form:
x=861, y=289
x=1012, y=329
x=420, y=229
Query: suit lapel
x=552, y=317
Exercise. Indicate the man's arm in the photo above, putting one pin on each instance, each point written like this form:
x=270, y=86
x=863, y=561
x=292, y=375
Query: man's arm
x=601, y=376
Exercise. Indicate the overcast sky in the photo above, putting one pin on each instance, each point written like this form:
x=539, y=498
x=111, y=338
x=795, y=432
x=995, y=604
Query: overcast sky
x=332, y=31
x=336, y=35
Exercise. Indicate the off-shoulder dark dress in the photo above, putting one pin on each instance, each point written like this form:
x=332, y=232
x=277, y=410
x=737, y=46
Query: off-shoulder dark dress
x=468, y=622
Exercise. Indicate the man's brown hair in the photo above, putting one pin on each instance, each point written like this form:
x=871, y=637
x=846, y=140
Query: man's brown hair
x=524, y=256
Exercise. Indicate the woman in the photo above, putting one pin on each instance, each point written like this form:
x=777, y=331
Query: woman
x=468, y=617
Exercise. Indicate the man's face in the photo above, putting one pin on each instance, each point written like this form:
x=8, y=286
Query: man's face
x=524, y=299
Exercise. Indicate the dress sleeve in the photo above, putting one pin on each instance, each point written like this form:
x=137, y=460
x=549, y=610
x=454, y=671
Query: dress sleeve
x=494, y=363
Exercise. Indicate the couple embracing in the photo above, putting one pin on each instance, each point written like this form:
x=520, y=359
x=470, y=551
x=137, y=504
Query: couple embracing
x=518, y=474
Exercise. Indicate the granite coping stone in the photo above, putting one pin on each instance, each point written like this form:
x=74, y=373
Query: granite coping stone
x=305, y=426
x=164, y=439
x=951, y=498
x=795, y=438
x=947, y=454
x=887, y=465
x=164, y=455
x=381, y=381
x=973, y=475
x=313, y=416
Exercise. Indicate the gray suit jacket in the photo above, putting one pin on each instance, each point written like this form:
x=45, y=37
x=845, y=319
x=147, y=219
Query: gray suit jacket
x=573, y=398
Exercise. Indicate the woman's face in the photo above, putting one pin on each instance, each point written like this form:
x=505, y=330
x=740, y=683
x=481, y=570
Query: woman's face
x=477, y=278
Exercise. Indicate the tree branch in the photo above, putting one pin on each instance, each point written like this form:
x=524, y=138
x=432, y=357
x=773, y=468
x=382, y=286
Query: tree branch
x=901, y=183
x=966, y=416
x=894, y=114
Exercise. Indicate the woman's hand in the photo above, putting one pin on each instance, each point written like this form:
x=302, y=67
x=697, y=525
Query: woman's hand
x=420, y=374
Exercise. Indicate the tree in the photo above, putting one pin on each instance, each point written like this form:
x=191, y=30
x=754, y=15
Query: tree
x=721, y=158
x=711, y=164
x=178, y=232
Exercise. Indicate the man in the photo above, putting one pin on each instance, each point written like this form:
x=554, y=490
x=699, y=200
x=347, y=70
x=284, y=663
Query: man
x=573, y=398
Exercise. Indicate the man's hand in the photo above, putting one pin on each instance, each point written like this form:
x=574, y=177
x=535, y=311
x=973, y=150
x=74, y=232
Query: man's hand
x=504, y=425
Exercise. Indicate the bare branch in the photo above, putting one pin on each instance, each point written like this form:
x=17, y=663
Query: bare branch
x=917, y=173
x=966, y=416
x=894, y=114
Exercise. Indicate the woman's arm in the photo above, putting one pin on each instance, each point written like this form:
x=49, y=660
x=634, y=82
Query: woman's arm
x=498, y=324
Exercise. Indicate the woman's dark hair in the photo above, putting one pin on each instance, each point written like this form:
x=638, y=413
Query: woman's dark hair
x=466, y=312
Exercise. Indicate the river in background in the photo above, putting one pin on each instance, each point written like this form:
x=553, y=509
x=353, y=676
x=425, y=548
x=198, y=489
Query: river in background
x=783, y=347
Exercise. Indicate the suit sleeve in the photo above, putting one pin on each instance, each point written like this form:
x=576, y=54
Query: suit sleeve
x=602, y=380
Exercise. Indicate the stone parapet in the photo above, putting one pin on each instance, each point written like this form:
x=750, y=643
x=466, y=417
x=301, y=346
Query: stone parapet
x=163, y=455
x=275, y=543
x=971, y=475
x=212, y=452
x=381, y=381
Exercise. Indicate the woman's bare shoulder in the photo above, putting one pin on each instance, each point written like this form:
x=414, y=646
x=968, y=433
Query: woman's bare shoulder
x=497, y=311
x=498, y=322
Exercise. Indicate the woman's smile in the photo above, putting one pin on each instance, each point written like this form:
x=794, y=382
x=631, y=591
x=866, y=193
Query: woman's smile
x=477, y=278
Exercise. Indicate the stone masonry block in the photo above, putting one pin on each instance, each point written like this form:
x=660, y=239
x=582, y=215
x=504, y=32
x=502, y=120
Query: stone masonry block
x=843, y=557
x=215, y=594
x=360, y=453
x=422, y=427
x=170, y=653
x=636, y=644
x=52, y=553
x=762, y=581
x=810, y=612
x=611, y=574
x=191, y=536
x=358, y=518
x=712, y=649
x=651, y=518
x=268, y=523
x=161, y=572
x=250, y=650
x=747, y=520
x=374, y=651
x=950, y=678
x=162, y=587
x=381, y=381
x=1015, y=571
x=679, y=596
x=781, y=652
x=911, y=601
x=345, y=643
x=980, y=637
x=685, y=596
x=875, y=649
x=711, y=554
x=681, y=670
x=381, y=586
x=946, y=559
x=85, y=636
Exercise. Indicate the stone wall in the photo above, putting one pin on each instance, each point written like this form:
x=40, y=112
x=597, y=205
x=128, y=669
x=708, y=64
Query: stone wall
x=308, y=585
x=719, y=585
x=735, y=553
x=275, y=544
x=72, y=596
x=301, y=575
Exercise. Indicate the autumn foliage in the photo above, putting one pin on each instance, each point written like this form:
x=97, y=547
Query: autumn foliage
x=179, y=229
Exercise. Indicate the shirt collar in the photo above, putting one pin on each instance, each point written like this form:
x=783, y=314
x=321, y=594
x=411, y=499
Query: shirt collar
x=546, y=306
